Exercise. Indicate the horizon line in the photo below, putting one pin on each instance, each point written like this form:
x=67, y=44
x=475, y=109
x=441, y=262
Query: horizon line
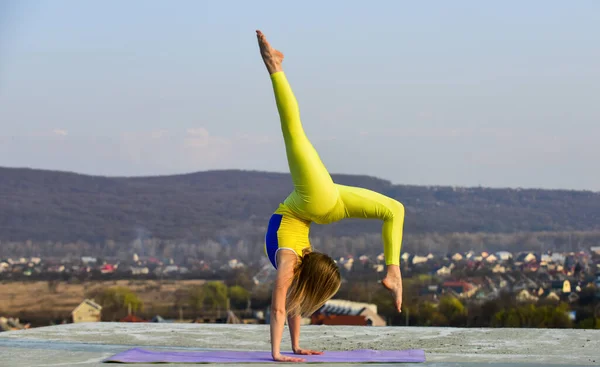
x=187, y=173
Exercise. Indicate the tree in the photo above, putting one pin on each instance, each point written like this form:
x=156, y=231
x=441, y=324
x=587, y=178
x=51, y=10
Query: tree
x=215, y=294
x=534, y=316
x=196, y=296
x=117, y=299
x=238, y=296
x=453, y=310
x=589, y=323
x=53, y=285
x=261, y=296
x=587, y=296
x=241, y=277
x=211, y=295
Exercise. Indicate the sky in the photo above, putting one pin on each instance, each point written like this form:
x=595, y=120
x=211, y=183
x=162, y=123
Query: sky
x=461, y=93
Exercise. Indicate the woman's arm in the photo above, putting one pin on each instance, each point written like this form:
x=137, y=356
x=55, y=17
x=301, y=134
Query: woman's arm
x=286, y=260
x=294, y=325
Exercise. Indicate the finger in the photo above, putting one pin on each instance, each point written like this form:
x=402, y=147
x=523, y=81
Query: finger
x=311, y=352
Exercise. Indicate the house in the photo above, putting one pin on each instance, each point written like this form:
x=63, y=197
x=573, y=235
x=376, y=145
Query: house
x=573, y=297
x=499, y=269
x=88, y=259
x=11, y=324
x=347, y=264
x=419, y=260
x=526, y=296
x=158, y=319
x=491, y=259
x=342, y=312
x=552, y=296
x=108, y=268
x=87, y=311
x=531, y=267
x=462, y=289
x=526, y=257
x=136, y=270
x=557, y=258
x=235, y=264
x=457, y=257
x=504, y=255
x=445, y=270
x=173, y=269
x=430, y=292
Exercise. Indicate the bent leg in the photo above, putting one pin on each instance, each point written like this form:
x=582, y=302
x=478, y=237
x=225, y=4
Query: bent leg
x=368, y=204
x=314, y=191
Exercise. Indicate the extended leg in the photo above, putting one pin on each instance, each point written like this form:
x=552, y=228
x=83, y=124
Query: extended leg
x=363, y=203
x=314, y=191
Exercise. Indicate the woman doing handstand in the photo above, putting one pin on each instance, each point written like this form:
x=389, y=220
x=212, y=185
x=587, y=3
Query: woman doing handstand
x=306, y=279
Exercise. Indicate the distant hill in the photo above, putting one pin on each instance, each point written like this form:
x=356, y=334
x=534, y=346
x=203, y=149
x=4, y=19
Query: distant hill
x=58, y=206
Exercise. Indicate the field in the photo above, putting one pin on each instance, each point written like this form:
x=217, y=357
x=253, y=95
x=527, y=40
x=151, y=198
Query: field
x=42, y=297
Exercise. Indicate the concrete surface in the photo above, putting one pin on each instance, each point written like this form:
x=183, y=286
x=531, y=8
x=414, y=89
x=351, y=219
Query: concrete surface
x=87, y=344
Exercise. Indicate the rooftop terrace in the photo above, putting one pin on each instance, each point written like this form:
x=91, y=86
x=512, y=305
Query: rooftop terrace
x=87, y=344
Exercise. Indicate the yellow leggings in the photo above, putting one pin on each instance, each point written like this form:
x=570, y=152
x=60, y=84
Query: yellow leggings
x=316, y=198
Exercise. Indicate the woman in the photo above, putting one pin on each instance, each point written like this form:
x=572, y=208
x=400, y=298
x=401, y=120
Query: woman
x=306, y=279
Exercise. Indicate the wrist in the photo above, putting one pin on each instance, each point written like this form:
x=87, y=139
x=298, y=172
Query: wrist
x=275, y=351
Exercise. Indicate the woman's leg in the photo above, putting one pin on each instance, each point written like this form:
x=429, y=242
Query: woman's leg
x=368, y=204
x=314, y=191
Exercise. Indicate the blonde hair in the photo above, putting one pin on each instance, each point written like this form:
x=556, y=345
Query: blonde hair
x=316, y=279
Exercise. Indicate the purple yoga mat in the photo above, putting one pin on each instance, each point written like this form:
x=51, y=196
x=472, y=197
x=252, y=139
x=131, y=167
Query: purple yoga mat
x=137, y=355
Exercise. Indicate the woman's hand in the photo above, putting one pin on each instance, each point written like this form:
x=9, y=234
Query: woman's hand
x=306, y=351
x=279, y=358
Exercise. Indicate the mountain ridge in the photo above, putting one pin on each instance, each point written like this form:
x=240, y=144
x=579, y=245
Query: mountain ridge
x=191, y=173
x=49, y=205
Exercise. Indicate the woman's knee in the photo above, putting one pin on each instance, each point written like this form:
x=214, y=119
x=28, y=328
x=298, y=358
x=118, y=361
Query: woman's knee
x=397, y=208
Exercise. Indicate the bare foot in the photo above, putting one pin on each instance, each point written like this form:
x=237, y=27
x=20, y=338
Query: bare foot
x=270, y=56
x=393, y=283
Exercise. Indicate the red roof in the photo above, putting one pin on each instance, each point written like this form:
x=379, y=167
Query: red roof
x=338, y=320
x=132, y=318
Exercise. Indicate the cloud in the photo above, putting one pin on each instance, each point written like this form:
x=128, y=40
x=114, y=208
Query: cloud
x=200, y=138
x=157, y=134
x=439, y=132
x=193, y=149
x=256, y=139
x=60, y=132
x=198, y=131
x=420, y=155
x=203, y=148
